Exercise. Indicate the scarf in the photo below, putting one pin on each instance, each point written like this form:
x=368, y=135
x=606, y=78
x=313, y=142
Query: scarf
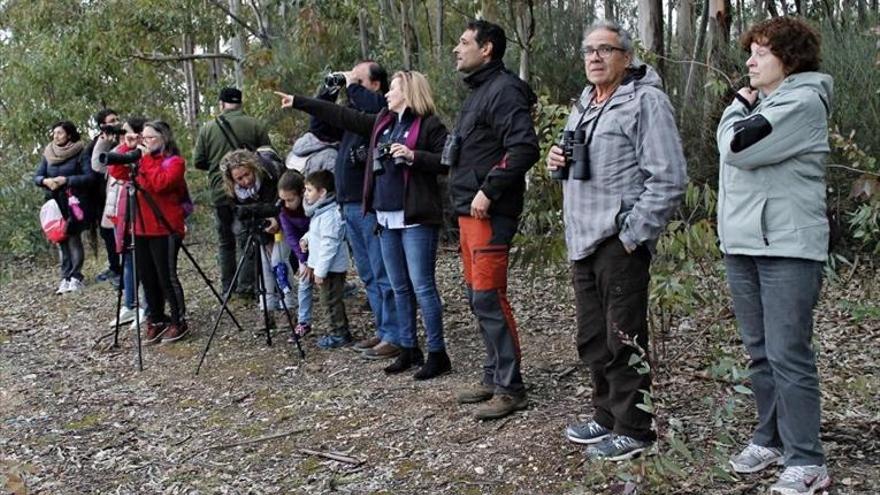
x=55, y=154
x=243, y=194
x=312, y=208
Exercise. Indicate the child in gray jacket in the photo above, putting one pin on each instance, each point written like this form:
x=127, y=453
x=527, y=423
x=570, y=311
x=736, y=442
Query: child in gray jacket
x=328, y=254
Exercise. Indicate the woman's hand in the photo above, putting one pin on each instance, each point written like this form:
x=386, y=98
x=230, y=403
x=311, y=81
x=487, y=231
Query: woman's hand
x=273, y=226
x=286, y=99
x=398, y=149
x=751, y=95
x=305, y=272
x=555, y=159
x=50, y=184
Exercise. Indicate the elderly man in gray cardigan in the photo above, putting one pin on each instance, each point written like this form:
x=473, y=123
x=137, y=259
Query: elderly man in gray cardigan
x=615, y=208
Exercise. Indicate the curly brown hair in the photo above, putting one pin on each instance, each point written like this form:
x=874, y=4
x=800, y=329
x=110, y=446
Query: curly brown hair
x=792, y=40
x=235, y=159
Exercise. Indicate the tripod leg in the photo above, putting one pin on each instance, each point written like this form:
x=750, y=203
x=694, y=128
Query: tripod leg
x=209, y=284
x=302, y=353
x=223, y=307
x=119, y=301
x=263, y=295
x=133, y=212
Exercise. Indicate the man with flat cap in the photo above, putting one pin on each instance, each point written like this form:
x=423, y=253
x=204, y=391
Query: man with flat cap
x=231, y=130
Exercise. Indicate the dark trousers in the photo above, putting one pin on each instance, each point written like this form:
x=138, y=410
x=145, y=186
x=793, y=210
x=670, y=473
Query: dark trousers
x=227, y=239
x=611, y=301
x=72, y=256
x=331, y=293
x=157, y=270
x=485, y=248
x=113, y=258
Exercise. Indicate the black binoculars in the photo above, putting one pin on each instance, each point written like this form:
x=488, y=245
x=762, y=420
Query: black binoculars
x=577, y=157
x=383, y=153
x=451, y=150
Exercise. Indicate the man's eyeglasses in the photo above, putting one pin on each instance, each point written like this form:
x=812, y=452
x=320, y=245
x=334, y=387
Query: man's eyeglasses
x=604, y=51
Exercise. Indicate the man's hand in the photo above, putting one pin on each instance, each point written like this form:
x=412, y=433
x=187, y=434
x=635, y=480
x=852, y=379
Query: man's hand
x=555, y=159
x=751, y=95
x=286, y=99
x=273, y=226
x=480, y=206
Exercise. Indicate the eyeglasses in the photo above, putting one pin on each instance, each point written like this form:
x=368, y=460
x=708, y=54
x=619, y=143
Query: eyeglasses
x=604, y=51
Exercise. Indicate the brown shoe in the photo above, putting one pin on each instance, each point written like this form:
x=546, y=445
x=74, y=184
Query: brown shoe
x=154, y=332
x=175, y=332
x=367, y=344
x=382, y=351
x=475, y=393
x=501, y=405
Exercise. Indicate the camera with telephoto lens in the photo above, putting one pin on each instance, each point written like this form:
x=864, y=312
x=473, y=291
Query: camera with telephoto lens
x=451, y=150
x=112, y=129
x=577, y=156
x=113, y=158
x=383, y=153
x=254, y=218
x=358, y=155
x=335, y=80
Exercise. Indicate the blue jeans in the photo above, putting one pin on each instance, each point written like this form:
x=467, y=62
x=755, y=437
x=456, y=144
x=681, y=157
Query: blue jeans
x=773, y=299
x=410, y=257
x=361, y=236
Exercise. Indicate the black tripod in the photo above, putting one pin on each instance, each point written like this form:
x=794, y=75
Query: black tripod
x=255, y=242
x=132, y=215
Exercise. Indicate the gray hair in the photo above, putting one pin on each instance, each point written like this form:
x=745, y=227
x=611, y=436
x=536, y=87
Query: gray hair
x=626, y=41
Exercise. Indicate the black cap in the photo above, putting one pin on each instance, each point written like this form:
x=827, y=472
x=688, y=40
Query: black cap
x=230, y=95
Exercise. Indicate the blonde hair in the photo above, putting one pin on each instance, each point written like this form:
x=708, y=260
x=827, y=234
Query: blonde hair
x=235, y=159
x=417, y=91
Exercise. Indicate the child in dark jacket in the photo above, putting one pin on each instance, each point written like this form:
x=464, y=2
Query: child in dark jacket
x=294, y=225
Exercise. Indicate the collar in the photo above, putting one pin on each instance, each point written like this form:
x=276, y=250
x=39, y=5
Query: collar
x=476, y=78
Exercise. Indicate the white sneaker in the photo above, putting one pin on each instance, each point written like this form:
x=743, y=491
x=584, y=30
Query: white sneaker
x=802, y=480
x=63, y=286
x=75, y=284
x=142, y=318
x=126, y=315
x=754, y=458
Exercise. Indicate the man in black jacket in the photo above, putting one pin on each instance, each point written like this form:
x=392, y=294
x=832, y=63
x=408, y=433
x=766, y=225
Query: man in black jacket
x=498, y=145
x=366, y=85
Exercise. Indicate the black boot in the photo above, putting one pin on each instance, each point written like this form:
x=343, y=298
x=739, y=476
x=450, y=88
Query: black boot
x=438, y=364
x=408, y=357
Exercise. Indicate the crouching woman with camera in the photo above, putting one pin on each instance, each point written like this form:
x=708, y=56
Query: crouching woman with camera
x=159, y=229
x=406, y=141
x=253, y=188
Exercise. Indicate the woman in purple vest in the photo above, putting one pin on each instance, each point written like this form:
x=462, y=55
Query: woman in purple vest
x=400, y=185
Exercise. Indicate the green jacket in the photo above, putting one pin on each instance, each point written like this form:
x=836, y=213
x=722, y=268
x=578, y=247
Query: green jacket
x=771, y=198
x=212, y=146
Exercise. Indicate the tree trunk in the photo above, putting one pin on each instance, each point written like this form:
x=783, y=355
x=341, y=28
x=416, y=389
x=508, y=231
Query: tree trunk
x=609, y=12
x=862, y=11
x=438, y=30
x=651, y=28
x=405, y=37
x=364, y=35
x=489, y=10
x=685, y=28
x=689, y=82
x=524, y=17
x=191, y=112
x=383, y=14
x=237, y=46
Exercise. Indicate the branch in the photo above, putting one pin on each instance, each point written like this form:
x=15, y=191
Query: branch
x=238, y=20
x=695, y=62
x=851, y=169
x=157, y=57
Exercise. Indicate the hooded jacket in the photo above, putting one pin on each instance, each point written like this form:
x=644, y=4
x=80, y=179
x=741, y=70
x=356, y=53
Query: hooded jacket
x=328, y=251
x=498, y=141
x=310, y=154
x=638, y=171
x=771, y=199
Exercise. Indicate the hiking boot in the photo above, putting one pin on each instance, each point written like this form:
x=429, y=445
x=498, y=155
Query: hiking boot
x=475, y=393
x=334, y=341
x=406, y=359
x=175, y=332
x=501, y=405
x=436, y=365
x=617, y=448
x=384, y=350
x=154, y=331
x=367, y=344
x=754, y=458
x=587, y=433
x=801, y=480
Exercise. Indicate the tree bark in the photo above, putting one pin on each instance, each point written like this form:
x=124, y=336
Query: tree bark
x=191, y=112
x=405, y=37
x=651, y=25
x=685, y=28
x=237, y=45
x=609, y=10
x=364, y=35
x=438, y=30
x=524, y=20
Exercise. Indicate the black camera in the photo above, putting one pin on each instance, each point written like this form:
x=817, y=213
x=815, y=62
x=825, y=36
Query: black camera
x=112, y=129
x=383, y=153
x=451, y=150
x=335, y=80
x=577, y=156
x=256, y=211
x=358, y=155
x=112, y=158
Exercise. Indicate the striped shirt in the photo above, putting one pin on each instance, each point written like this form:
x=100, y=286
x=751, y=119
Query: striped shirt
x=637, y=168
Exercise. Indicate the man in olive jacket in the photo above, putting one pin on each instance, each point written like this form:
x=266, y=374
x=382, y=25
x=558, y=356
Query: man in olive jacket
x=238, y=131
x=498, y=146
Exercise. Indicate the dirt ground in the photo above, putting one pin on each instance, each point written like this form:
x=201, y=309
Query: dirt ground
x=257, y=419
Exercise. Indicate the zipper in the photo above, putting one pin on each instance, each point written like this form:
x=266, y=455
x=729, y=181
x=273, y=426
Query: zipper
x=764, y=223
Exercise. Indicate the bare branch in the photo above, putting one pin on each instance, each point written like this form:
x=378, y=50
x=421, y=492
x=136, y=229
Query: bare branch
x=241, y=22
x=157, y=57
